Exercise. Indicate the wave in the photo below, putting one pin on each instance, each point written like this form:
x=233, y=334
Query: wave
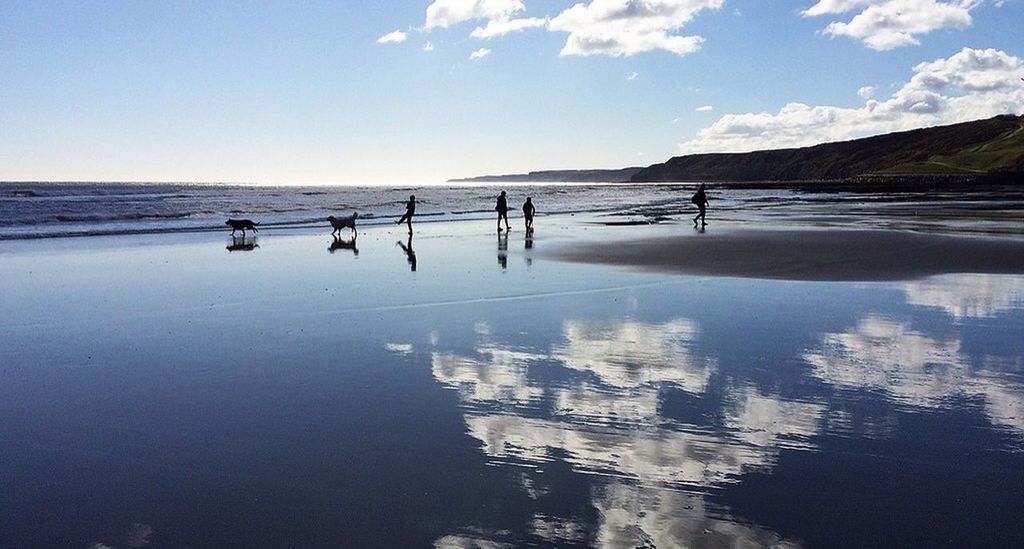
x=30, y=210
x=23, y=193
x=83, y=218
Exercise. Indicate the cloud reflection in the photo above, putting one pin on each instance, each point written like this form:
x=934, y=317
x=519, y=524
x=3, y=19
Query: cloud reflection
x=605, y=419
x=632, y=516
x=969, y=295
x=910, y=367
x=630, y=354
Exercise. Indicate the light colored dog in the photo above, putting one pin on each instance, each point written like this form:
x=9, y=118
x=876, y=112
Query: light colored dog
x=340, y=223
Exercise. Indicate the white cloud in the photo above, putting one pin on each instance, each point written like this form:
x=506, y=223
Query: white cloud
x=632, y=75
x=968, y=85
x=428, y=46
x=632, y=354
x=630, y=515
x=626, y=27
x=866, y=92
x=498, y=13
x=705, y=108
x=888, y=356
x=915, y=369
x=445, y=13
x=502, y=26
x=399, y=348
x=888, y=24
x=499, y=379
x=479, y=54
x=968, y=295
x=393, y=37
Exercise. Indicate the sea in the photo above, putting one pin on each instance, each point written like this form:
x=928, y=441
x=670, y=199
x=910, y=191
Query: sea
x=45, y=210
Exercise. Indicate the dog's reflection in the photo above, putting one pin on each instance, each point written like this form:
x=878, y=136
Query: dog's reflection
x=503, y=250
x=339, y=243
x=410, y=254
x=242, y=244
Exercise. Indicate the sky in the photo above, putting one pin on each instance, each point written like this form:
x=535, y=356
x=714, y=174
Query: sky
x=418, y=91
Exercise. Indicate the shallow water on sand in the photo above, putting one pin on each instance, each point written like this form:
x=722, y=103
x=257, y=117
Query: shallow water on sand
x=170, y=391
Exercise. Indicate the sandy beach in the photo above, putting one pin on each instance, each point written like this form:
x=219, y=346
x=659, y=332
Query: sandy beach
x=807, y=254
x=465, y=389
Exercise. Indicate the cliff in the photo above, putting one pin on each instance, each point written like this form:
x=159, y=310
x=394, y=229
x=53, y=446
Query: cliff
x=977, y=148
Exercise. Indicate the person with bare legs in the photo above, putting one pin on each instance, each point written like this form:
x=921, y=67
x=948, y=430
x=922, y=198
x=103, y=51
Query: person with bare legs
x=410, y=210
x=528, y=211
x=502, y=209
x=700, y=199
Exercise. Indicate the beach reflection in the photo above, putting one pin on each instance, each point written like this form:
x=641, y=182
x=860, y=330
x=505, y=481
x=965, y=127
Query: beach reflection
x=890, y=358
x=968, y=295
x=605, y=420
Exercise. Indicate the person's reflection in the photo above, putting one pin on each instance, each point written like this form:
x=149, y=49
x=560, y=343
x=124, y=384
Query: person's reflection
x=409, y=253
x=242, y=244
x=701, y=229
x=529, y=246
x=503, y=250
x=341, y=244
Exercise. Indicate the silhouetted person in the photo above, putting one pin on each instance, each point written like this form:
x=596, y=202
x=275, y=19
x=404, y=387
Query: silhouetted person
x=502, y=209
x=410, y=255
x=340, y=244
x=700, y=198
x=410, y=210
x=503, y=250
x=528, y=211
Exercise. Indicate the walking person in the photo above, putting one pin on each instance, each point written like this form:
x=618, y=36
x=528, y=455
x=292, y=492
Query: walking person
x=700, y=199
x=502, y=209
x=410, y=210
x=528, y=211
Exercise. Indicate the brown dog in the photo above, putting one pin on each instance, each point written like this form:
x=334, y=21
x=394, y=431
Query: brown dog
x=241, y=225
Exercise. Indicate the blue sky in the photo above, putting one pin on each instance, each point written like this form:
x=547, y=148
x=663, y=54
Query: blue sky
x=306, y=92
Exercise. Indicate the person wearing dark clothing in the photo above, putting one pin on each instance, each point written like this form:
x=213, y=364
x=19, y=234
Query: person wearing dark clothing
x=410, y=210
x=410, y=255
x=502, y=209
x=700, y=199
x=528, y=211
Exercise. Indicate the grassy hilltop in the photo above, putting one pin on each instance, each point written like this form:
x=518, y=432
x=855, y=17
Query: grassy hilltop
x=980, y=147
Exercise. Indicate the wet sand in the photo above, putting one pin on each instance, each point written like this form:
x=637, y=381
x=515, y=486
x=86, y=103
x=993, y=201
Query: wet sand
x=812, y=254
x=461, y=389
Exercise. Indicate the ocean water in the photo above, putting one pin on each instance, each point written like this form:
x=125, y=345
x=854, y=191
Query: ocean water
x=58, y=209
x=459, y=390
x=42, y=210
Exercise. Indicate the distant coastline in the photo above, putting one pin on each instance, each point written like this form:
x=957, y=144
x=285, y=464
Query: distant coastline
x=968, y=154
x=621, y=175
